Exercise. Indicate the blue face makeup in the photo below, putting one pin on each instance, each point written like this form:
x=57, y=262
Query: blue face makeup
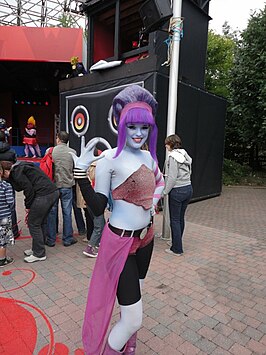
x=137, y=135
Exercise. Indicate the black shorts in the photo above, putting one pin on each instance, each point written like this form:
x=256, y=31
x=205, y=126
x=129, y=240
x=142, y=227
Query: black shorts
x=136, y=267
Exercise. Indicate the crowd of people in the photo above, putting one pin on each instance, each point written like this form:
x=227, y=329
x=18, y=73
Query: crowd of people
x=129, y=179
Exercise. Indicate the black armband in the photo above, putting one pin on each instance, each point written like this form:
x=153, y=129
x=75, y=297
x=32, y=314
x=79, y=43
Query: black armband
x=97, y=202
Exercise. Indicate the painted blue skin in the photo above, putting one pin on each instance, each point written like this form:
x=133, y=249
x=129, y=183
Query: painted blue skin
x=137, y=135
x=111, y=173
x=126, y=215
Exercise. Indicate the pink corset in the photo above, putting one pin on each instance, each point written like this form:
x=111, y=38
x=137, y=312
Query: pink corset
x=138, y=188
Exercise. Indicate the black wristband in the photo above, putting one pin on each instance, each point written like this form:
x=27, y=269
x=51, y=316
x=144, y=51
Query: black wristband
x=79, y=173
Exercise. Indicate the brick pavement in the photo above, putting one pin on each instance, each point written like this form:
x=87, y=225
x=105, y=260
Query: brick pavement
x=209, y=301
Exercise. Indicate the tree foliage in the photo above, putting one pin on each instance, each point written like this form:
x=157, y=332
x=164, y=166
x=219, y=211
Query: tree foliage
x=66, y=20
x=236, y=65
x=220, y=55
x=248, y=87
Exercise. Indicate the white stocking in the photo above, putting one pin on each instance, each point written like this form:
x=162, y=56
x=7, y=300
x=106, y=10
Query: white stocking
x=26, y=150
x=37, y=148
x=129, y=323
x=31, y=149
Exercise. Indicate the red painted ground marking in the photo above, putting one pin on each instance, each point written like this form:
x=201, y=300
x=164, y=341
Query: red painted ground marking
x=23, y=237
x=9, y=272
x=19, y=329
x=29, y=237
x=59, y=349
x=18, y=321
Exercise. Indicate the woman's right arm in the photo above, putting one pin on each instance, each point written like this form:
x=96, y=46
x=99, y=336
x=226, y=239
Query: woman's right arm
x=97, y=202
x=171, y=176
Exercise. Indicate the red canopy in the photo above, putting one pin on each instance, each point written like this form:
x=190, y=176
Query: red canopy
x=42, y=44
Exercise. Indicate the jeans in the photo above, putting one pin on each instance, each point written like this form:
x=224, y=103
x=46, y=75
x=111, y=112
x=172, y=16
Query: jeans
x=14, y=217
x=38, y=213
x=99, y=223
x=179, y=198
x=65, y=195
x=78, y=214
x=79, y=219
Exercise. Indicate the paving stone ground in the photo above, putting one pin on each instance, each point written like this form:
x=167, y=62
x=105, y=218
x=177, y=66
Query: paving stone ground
x=209, y=301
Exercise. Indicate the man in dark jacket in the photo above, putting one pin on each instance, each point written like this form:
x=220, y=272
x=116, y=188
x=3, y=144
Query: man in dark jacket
x=40, y=195
x=8, y=154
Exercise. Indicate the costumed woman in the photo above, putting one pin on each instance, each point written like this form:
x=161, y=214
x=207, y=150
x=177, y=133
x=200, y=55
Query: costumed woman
x=30, y=140
x=136, y=184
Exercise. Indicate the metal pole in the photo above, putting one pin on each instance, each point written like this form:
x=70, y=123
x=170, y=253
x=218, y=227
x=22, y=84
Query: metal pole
x=172, y=104
x=173, y=75
x=19, y=13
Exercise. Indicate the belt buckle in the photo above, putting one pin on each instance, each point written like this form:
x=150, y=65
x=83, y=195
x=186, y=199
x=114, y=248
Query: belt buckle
x=143, y=233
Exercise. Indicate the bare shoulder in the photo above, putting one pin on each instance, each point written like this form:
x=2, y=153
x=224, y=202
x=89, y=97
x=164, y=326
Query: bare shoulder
x=108, y=154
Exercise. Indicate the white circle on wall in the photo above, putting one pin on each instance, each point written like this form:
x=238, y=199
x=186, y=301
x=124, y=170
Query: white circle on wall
x=80, y=120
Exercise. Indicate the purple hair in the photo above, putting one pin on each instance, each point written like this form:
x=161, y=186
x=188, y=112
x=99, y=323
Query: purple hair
x=134, y=94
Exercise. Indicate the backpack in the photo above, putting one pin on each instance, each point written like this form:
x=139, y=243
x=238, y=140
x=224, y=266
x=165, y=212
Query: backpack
x=47, y=164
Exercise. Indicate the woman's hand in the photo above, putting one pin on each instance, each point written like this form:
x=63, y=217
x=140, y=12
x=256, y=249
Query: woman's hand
x=87, y=156
x=153, y=211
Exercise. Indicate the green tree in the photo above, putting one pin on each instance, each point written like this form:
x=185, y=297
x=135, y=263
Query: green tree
x=66, y=20
x=248, y=88
x=220, y=56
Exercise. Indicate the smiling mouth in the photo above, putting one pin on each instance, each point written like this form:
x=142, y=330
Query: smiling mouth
x=137, y=140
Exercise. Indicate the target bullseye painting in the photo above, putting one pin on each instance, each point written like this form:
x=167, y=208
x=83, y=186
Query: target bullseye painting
x=90, y=114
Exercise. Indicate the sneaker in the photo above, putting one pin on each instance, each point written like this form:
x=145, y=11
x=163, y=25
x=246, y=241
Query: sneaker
x=85, y=240
x=165, y=238
x=28, y=252
x=90, y=251
x=7, y=261
x=32, y=258
x=169, y=251
x=50, y=244
x=67, y=244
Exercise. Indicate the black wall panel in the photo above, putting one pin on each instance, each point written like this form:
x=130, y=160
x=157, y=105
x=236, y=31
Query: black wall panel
x=193, y=46
x=200, y=124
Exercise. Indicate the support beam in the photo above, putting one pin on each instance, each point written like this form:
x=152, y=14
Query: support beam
x=172, y=103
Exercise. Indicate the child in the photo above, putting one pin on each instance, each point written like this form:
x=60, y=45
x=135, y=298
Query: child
x=98, y=221
x=30, y=140
x=6, y=235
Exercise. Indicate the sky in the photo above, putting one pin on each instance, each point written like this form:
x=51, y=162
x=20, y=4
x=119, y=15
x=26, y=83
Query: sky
x=235, y=12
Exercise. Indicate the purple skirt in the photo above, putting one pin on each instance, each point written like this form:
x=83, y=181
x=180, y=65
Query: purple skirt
x=109, y=264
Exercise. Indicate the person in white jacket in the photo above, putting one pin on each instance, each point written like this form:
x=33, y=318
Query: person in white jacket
x=178, y=186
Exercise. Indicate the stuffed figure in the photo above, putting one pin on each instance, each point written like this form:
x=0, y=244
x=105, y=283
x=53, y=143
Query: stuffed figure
x=77, y=68
x=30, y=140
